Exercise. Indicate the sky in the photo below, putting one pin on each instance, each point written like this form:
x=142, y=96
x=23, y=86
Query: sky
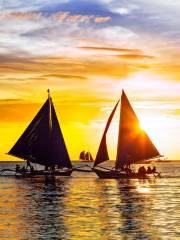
x=86, y=52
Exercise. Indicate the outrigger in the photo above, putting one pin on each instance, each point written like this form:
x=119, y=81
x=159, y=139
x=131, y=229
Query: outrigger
x=134, y=146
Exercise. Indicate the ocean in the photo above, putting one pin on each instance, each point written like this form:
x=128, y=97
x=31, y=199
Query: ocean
x=84, y=207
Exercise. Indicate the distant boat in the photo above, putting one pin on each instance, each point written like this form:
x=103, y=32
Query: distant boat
x=86, y=157
x=133, y=146
x=42, y=142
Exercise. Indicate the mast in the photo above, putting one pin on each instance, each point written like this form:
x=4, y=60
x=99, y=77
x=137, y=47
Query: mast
x=134, y=144
x=50, y=113
x=102, y=154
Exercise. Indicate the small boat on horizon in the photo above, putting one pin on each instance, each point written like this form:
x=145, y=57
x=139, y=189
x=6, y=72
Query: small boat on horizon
x=42, y=142
x=134, y=146
x=86, y=157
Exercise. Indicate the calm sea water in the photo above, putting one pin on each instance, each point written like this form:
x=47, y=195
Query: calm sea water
x=85, y=207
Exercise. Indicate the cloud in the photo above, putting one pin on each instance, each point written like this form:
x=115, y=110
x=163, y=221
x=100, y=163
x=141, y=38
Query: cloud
x=68, y=76
x=11, y=100
x=108, y=49
x=135, y=56
x=122, y=10
x=73, y=68
x=67, y=17
x=168, y=69
x=59, y=16
x=22, y=15
x=65, y=76
x=102, y=19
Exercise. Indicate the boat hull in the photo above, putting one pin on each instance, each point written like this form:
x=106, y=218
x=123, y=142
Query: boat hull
x=113, y=174
x=37, y=173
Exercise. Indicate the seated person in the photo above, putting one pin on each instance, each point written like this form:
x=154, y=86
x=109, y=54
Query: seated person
x=127, y=169
x=154, y=170
x=31, y=169
x=142, y=171
x=17, y=167
x=28, y=165
x=149, y=170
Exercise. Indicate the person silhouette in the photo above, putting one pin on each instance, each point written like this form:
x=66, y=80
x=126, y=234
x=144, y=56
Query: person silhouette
x=149, y=170
x=154, y=170
x=28, y=165
x=17, y=167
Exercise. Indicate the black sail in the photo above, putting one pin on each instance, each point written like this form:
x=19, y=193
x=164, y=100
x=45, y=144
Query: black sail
x=42, y=142
x=33, y=145
x=134, y=145
x=102, y=154
x=59, y=153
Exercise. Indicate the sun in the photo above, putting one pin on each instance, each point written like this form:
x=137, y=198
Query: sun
x=148, y=125
x=144, y=124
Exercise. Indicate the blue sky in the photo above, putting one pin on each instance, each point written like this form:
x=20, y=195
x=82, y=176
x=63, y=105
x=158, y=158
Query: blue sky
x=139, y=18
x=136, y=19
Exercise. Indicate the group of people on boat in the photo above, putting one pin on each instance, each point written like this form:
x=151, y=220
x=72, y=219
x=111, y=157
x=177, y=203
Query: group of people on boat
x=126, y=168
x=141, y=171
x=31, y=170
x=24, y=169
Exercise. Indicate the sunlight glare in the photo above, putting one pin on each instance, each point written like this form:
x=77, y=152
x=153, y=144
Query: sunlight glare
x=143, y=190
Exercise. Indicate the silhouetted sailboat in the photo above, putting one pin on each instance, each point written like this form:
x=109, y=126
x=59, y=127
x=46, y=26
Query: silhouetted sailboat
x=133, y=146
x=85, y=156
x=43, y=143
x=82, y=155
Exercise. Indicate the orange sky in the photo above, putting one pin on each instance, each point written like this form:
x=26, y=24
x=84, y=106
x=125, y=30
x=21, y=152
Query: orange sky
x=86, y=60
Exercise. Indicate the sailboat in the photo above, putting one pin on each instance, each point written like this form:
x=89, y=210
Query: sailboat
x=134, y=145
x=42, y=142
x=85, y=156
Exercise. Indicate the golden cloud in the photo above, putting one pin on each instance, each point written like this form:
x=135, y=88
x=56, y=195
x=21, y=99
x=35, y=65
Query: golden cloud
x=110, y=49
x=68, y=68
x=22, y=15
x=134, y=56
x=60, y=16
x=64, y=76
x=169, y=70
x=102, y=19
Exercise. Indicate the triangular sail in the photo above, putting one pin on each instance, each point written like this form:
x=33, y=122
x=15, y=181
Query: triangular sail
x=134, y=145
x=102, y=154
x=33, y=145
x=82, y=155
x=91, y=158
x=59, y=153
x=87, y=157
x=42, y=142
